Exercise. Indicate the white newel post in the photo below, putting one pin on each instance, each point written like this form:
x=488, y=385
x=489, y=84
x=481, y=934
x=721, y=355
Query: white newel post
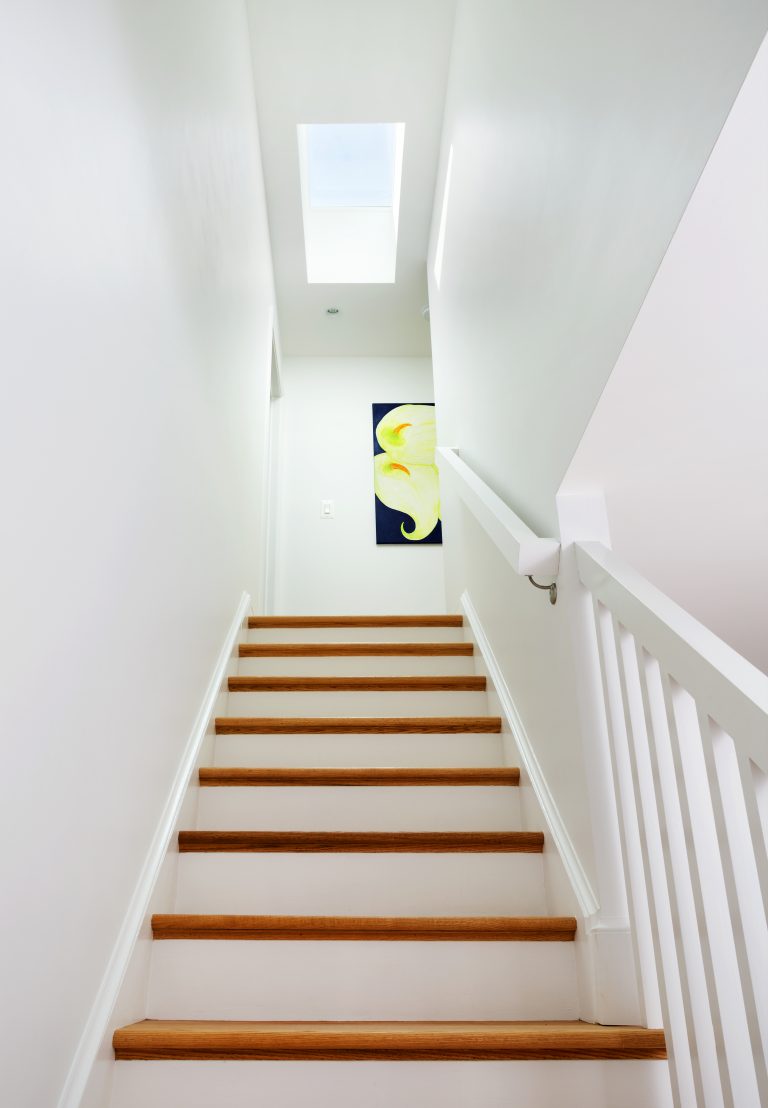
x=624, y=989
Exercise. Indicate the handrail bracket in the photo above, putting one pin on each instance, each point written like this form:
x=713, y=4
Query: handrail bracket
x=551, y=589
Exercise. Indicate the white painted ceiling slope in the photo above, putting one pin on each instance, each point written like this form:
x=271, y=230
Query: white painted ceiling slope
x=351, y=61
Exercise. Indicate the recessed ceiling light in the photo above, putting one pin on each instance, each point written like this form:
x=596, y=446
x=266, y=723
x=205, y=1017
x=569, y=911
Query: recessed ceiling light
x=332, y=311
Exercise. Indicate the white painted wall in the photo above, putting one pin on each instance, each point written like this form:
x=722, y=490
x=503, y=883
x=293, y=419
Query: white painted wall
x=578, y=134
x=575, y=134
x=327, y=566
x=135, y=333
x=678, y=441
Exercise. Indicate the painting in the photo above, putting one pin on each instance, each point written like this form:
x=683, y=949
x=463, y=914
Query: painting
x=405, y=477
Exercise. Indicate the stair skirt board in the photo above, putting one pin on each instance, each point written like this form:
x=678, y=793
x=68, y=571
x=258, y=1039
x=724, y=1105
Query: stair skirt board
x=381, y=808
x=359, y=750
x=283, y=979
x=530, y=1084
x=362, y=884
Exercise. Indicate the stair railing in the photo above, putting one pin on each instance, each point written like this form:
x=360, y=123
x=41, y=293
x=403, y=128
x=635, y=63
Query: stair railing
x=526, y=553
x=688, y=725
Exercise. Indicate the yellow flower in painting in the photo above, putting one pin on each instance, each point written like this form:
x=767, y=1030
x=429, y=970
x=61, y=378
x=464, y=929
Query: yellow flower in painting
x=405, y=477
x=408, y=434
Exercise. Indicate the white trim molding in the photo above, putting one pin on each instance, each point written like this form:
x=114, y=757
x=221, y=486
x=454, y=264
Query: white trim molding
x=98, y=1022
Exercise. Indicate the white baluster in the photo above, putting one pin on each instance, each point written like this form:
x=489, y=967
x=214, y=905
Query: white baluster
x=670, y=989
x=747, y=914
x=674, y=829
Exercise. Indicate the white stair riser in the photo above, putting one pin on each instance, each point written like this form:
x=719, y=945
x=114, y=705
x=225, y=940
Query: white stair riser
x=289, y=980
x=362, y=884
x=384, y=665
x=358, y=750
x=557, y=1084
x=357, y=703
x=368, y=808
x=356, y=634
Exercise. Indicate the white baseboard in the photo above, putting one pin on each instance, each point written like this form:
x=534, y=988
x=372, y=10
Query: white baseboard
x=98, y=1021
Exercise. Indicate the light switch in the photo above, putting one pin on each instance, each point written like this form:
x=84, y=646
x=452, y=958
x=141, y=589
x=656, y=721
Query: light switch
x=326, y=509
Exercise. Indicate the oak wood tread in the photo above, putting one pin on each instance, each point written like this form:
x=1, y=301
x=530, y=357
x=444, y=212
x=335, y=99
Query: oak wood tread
x=215, y=776
x=354, y=621
x=354, y=649
x=366, y=928
x=461, y=683
x=357, y=725
x=394, y=1041
x=362, y=842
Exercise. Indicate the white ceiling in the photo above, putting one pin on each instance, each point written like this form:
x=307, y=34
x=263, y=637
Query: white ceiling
x=351, y=61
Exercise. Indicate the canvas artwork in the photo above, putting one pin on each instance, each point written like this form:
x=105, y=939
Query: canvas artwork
x=405, y=477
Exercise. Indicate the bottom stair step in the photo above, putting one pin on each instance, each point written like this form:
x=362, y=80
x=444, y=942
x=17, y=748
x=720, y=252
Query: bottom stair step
x=396, y=1041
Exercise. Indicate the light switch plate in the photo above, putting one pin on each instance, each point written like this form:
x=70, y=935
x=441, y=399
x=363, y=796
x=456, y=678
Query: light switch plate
x=326, y=509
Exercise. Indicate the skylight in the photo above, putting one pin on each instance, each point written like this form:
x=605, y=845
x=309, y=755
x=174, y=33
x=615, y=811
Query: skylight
x=350, y=184
x=351, y=165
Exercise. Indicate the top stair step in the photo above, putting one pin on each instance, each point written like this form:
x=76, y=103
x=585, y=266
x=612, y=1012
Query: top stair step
x=354, y=621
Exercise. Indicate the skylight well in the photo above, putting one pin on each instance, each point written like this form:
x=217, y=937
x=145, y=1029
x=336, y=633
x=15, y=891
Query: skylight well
x=350, y=187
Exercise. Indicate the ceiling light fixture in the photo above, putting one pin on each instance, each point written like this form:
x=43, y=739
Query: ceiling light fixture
x=332, y=311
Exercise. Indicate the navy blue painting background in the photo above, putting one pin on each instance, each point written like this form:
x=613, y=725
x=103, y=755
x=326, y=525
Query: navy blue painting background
x=388, y=520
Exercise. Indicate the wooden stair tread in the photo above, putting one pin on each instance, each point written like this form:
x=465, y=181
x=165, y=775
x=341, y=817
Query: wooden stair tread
x=362, y=842
x=246, y=776
x=397, y=1041
x=354, y=621
x=446, y=683
x=354, y=725
x=353, y=649
x=362, y=928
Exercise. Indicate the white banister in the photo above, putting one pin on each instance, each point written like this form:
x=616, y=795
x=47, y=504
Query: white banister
x=688, y=724
x=524, y=550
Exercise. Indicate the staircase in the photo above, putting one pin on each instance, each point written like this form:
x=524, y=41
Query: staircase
x=358, y=899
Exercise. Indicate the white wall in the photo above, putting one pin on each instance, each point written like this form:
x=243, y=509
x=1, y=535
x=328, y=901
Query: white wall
x=678, y=440
x=578, y=133
x=333, y=566
x=134, y=342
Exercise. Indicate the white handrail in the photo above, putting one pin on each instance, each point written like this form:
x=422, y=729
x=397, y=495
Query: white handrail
x=731, y=689
x=687, y=719
x=524, y=550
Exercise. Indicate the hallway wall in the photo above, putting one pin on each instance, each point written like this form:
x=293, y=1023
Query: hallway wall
x=135, y=329
x=578, y=134
x=678, y=440
x=333, y=566
x=575, y=135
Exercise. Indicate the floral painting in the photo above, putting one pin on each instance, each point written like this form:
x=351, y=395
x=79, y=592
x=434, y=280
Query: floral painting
x=405, y=477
